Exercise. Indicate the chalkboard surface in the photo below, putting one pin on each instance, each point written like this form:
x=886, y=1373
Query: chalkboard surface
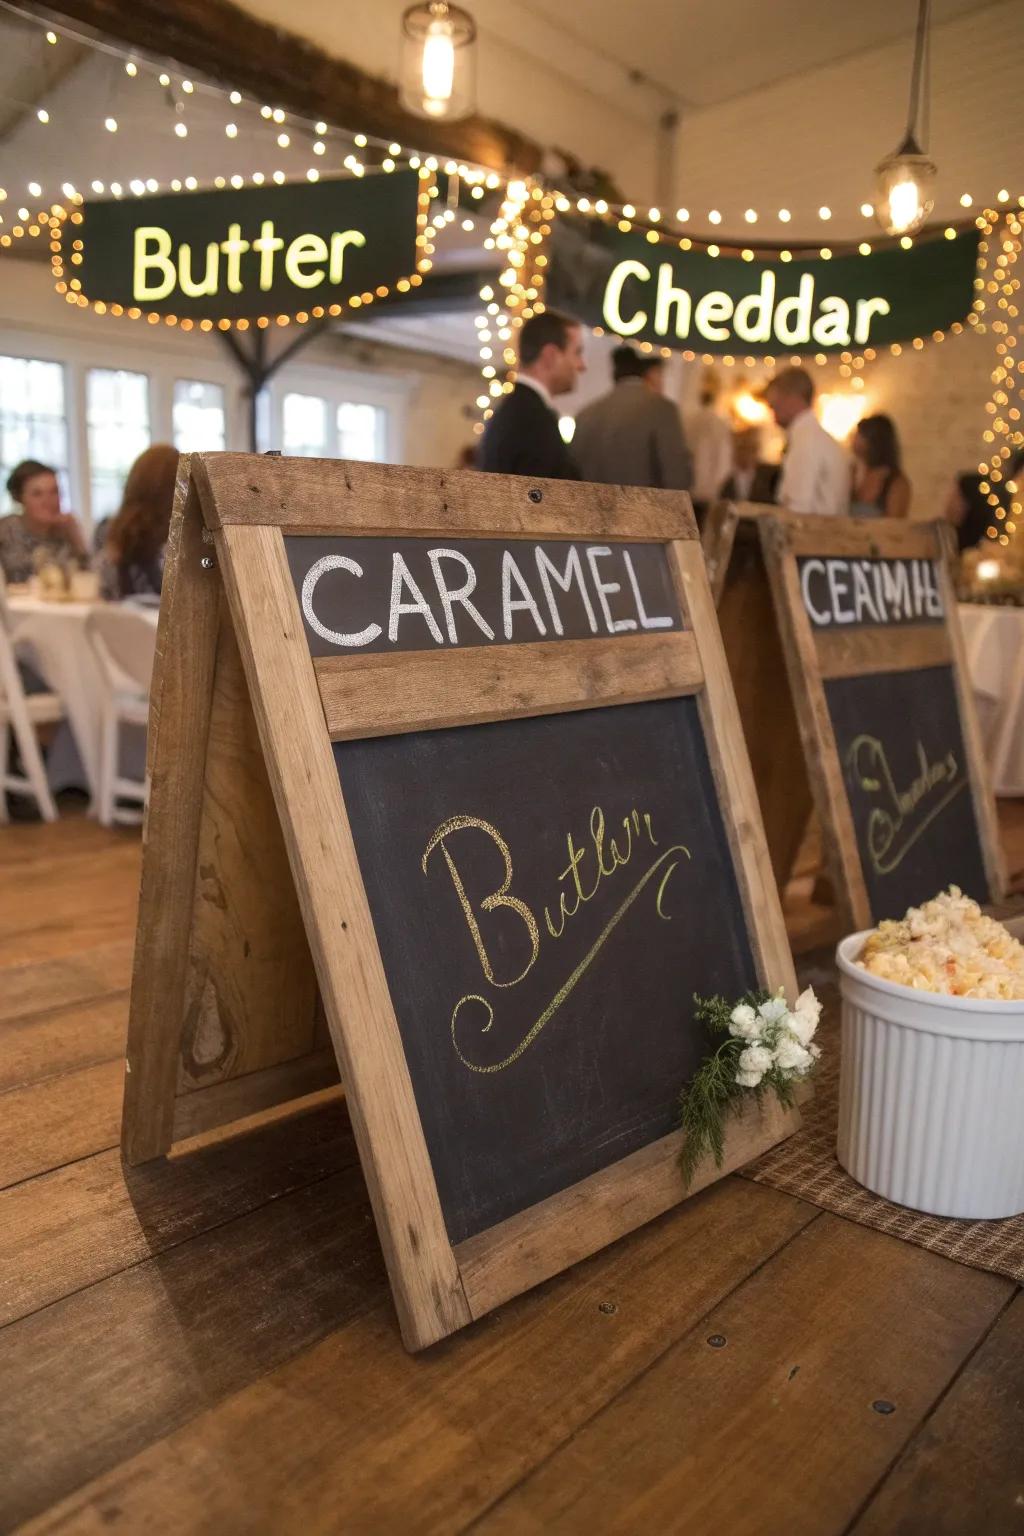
x=419, y=594
x=905, y=769
x=548, y=894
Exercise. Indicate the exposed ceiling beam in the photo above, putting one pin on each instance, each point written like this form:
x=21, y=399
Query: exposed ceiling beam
x=38, y=79
x=221, y=41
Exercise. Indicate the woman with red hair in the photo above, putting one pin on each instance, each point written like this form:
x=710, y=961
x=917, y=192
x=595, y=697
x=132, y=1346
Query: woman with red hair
x=132, y=561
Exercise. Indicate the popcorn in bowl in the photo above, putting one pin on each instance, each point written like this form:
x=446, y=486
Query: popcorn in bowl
x=947, y=945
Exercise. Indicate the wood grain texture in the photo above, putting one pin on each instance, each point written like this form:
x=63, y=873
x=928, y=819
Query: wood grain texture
x=977, y=761
x=58, y=1120
x=62, y=1040
x=64, y=980
x=427, y=1444
x=325, y=869
x=716, y=543
x=964, y=1471
x=819, y=743
x=379, y=694
x=107, y=1371
x=734, y=780
x=877, y=648
x=328, y=495
x=570, y=1226
x=868, y=537
x=764, y=698
x=250, y=997
x=234, y=1098
x=80, y=1224
x=810, y=1342
x=180, y=707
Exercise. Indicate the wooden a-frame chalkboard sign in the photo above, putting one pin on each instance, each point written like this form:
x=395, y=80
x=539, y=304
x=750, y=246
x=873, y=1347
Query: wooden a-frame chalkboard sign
x=867, y=613
x=459, y=755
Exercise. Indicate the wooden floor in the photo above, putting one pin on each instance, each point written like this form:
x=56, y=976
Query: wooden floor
x=208, y=1345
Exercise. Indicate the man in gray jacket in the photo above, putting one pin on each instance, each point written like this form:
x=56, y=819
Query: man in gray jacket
x=633, y=435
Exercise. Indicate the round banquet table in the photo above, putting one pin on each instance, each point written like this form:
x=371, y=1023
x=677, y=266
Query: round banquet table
x=51, y=638
x=994, y=641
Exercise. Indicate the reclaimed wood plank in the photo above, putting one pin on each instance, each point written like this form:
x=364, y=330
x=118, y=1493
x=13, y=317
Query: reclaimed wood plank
x=62, y=981
x=569, y=1226
x=359, y=1432
x=869, y=538
x=250, y=990
x=773, y=1432
x=237, y=1097
x=350, y=971
x=93, y=1379
x=964, y=1470
x=61, y=1041
x=378, y=694
x=337, y=495
x=179, y=719
x=59, y=1120
x=860, y=652
x=80, y=1224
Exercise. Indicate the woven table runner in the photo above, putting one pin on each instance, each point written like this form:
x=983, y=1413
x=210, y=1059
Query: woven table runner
x=806, y=1166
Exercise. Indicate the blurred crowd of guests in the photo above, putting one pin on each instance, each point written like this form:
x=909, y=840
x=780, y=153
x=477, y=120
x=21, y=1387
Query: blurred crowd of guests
x=127, y=550
x=634, y=435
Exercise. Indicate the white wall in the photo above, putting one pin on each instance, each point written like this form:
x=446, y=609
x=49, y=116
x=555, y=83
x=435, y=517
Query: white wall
x=427, y=398
x=816, y=138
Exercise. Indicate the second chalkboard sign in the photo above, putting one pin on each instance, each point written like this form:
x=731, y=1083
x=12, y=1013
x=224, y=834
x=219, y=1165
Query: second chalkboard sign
x=868, y=616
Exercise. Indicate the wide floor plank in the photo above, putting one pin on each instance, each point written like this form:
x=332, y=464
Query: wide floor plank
x=61, y=982
x=62, y=1041
x=93, y=1379
x=71, y=1228
x=358, y=1436
x=761, y=1421
x=964, y=1470
x=53, y=1122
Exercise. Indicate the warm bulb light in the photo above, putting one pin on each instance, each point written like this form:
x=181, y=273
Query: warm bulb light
x=110, y=124
x=903, y=197
x=839, y=414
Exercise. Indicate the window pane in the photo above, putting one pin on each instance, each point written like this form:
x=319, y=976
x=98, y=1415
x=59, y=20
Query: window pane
x=32, y=420
x=198, y=416
x=361, y=431
x=305, y=426
x=117, y=417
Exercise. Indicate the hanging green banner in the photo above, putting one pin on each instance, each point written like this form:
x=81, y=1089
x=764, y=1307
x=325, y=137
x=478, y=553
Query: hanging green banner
x=251, y=251
x=644, y=291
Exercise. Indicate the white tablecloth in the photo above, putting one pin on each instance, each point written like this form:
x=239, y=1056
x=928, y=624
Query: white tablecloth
x=51, y=638
x=994, y=640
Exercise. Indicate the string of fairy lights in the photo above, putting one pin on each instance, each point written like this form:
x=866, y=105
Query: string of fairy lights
x=997, y=285
x=518, y=232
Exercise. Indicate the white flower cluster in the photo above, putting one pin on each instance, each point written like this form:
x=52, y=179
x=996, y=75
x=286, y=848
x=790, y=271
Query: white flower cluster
x=778, y=1037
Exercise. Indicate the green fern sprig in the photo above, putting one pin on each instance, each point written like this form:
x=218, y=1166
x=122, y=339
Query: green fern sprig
x=708, y=1099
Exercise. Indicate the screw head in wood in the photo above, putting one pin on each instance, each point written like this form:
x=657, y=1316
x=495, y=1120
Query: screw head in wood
x=609, y=1308
x=881, y=1405
x=535, y=495
x=717, y=1340
x=207, y=562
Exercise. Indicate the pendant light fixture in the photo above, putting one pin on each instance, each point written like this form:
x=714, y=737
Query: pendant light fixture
x=903, y=182
x=437, y=78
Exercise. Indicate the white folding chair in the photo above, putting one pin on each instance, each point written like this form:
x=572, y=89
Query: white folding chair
x=20, y=713
x=124, y=641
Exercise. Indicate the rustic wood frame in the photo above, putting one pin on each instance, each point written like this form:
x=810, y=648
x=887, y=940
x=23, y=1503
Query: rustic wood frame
x=300, y=705
x=814, y=656
x=755, y=652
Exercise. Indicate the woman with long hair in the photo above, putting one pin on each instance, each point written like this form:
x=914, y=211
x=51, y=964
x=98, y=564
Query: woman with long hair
x=880, y=488
x=131, y=563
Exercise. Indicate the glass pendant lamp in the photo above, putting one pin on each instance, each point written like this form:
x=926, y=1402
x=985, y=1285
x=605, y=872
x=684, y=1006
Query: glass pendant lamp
x=437, y=77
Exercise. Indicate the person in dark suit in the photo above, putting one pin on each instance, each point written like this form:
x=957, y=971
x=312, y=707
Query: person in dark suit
x=522, y=437
x=633, y=435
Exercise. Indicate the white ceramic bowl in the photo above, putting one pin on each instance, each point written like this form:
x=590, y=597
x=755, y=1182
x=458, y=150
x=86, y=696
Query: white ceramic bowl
x=931, y=1100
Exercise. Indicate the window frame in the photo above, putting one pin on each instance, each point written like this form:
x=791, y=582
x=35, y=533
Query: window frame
x=338, y=386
